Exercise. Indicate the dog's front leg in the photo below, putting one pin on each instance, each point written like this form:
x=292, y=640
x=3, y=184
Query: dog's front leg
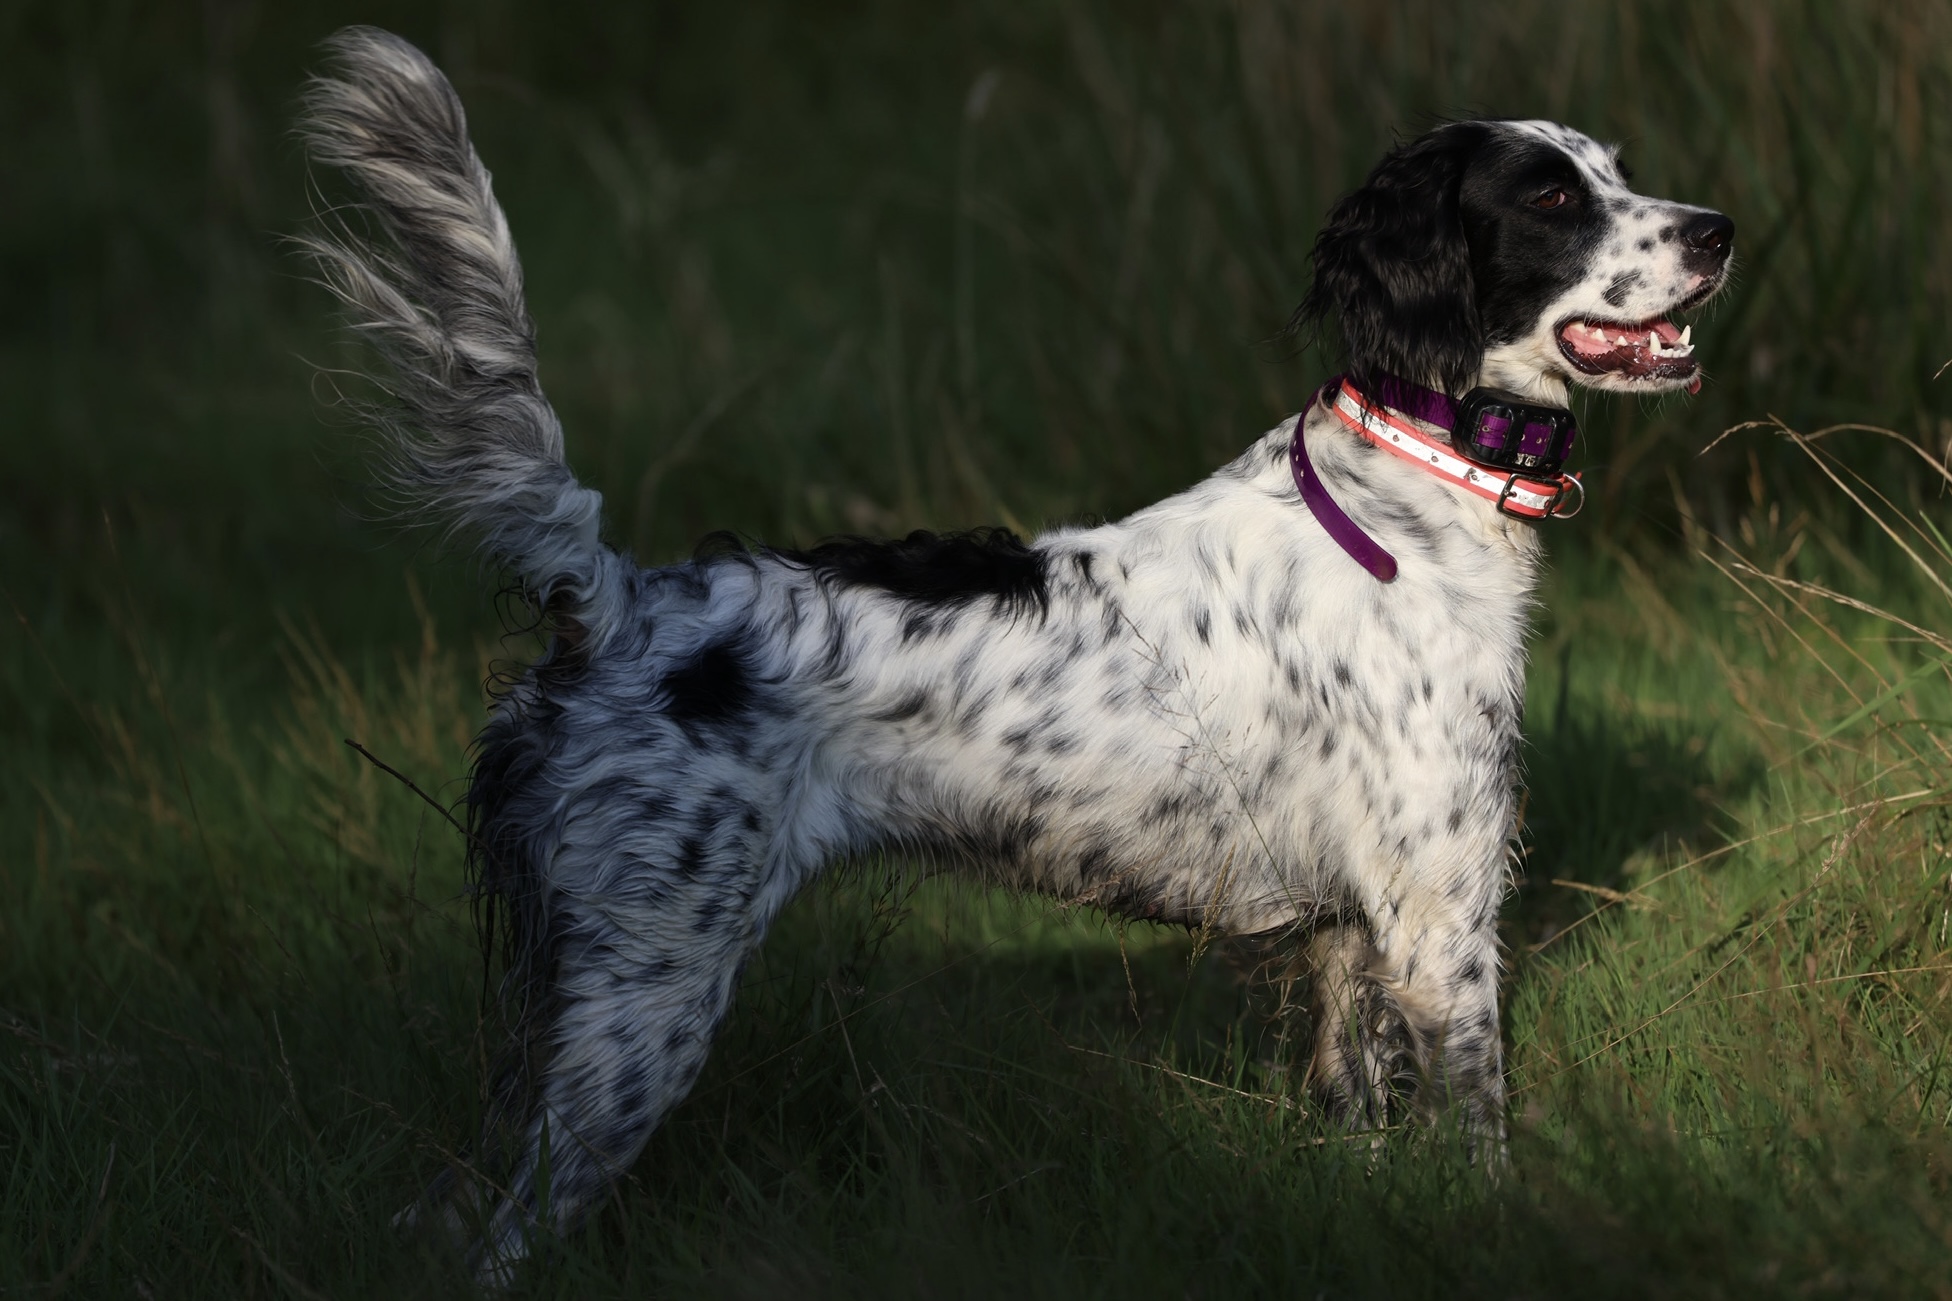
x=1410, y=1007
x=1446, y=983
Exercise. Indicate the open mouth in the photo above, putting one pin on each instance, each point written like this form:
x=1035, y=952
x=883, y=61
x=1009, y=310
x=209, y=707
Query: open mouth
x=1644, y=350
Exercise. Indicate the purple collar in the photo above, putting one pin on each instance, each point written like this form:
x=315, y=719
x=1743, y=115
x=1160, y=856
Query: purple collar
x=1414, y=401
x=1493, y=437
x=1346, y=532
x=1488, y=427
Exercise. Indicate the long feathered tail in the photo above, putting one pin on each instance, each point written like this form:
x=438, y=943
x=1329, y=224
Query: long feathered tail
x=470, y=439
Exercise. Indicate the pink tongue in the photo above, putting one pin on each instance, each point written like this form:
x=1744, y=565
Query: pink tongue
x=1590, y=345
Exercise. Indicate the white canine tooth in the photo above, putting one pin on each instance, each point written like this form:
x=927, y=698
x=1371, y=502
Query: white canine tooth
x=1653, y=341
x=1687, y=334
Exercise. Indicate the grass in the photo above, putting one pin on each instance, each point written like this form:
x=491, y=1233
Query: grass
x=869, y=268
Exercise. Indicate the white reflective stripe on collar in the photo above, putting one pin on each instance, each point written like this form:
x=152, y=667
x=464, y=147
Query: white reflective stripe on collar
x=1529, y=497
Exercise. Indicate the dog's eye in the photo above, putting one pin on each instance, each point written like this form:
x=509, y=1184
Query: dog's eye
x=1552, y=198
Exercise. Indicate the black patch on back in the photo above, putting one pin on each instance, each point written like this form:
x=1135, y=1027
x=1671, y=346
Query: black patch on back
x=936, y=569
x=713, y=687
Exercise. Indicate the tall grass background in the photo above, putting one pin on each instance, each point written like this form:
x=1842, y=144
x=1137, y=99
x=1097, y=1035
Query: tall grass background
x=801, y=269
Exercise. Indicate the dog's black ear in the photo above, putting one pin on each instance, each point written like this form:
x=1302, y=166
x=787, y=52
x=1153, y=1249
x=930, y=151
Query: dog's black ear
x=1393, y=270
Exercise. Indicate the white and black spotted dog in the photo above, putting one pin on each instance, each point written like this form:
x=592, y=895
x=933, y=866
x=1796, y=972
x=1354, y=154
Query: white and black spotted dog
x=1206, y=713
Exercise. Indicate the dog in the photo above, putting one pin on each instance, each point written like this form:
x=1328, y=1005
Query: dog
x=1215, y=712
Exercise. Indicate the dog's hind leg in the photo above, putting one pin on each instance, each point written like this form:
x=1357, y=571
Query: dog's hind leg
x=647, y=953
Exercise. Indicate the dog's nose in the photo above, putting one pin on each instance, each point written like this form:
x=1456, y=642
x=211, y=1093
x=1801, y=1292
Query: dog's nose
x=1710, y=233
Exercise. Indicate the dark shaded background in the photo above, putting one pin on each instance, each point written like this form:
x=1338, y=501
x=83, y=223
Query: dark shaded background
x=801, y=267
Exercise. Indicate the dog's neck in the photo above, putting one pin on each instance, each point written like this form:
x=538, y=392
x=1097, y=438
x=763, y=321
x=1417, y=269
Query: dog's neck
x=1516, y=368
x=1514, y=375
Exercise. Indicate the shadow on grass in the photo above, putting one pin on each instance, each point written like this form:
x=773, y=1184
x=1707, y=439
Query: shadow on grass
x=981, y=1118
x=1604, y=798
x=946, y=1093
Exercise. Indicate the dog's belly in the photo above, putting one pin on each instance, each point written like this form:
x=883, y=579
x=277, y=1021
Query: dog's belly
x=1108, y=792
x=1166, y=855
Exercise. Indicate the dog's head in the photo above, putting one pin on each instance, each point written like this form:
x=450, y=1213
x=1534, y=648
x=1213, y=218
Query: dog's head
x=1514, y=254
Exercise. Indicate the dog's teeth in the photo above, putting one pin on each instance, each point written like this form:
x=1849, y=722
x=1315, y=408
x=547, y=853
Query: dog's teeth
x=1653, y=341
x=1686, y=334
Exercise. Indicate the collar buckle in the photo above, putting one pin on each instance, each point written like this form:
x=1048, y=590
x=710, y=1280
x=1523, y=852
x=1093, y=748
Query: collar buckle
x=1563, y=487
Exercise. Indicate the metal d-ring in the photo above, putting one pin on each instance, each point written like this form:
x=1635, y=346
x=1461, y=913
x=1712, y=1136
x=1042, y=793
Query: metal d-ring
x=1566, y=481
